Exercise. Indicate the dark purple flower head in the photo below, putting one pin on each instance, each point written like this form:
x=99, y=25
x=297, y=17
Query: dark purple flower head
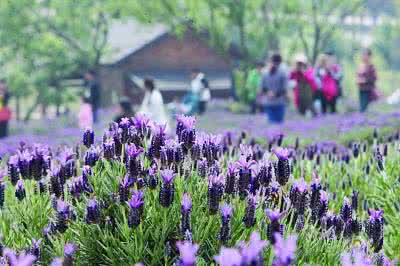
x=228, y=257
x=22, y=259
x=187, y=253
x=187, y=121
x=243, y=163
x=65, y=155
x=88, y=137
x=186, y=202
x=375, y=215
x=132, y=151
x=69, y=249
x=160, y=130
x=168, y=176
x=215, y=180
x=141, y=122
x=137, y=199
x=226, y=211
x=281, y=153
x=274, y=215
x=63, y=208
x=275, y=186
x=300, y=186
x=284, y=250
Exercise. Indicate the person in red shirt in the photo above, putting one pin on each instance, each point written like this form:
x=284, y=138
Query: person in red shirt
x=304, y=86
x=327, y=84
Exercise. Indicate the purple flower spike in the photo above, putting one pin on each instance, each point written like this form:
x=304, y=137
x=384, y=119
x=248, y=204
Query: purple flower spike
x=137, y=200
x=186, y=203
x=281, y=153
x=375, y=214
x=226, y=210
x=284, y=250
x=22, y=259
x=301, y=186
x=228, y=257
x=132, y=151
x=274, y=215
x=168, y=176
x=20, y=190
x=187, y=253
x=69, y=249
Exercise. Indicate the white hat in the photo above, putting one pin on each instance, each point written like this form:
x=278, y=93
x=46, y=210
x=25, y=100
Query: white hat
x=300, y=58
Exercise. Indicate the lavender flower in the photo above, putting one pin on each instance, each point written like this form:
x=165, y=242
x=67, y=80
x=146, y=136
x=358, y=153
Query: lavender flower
x=252, y=252
x=124, y=189
x=63, y=214
x=20, y=190
x=2, y=187
x=282, y=173
x=92, y=156
x=230, y=183
x=157, y=141
x=24, y=162
x=215, y=192
x=187, y=253
x=245, y=171
x=284, y=250
x=228, y=257
x=374, y=228
x=69, y=251
x=133, y=165
x=166, y=195
x=57, y=262
x=13, y=171
x=152, y=180
x=186, y=208
x=225, y=231
x=346, y=212
x=185, y=131
x=249, y=218
x=135, y=208
x=22, y=259
x=88, y=137
x=35, y=248
x=92, y=212
x=299, y=196
x=109, y=149
x=124, y=125
x=202, y=168
x=274, y=226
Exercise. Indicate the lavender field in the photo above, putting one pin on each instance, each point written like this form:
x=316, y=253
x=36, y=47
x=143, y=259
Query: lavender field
x=315, y=192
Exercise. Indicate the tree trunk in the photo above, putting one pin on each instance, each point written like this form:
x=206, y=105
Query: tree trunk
x=32, y=108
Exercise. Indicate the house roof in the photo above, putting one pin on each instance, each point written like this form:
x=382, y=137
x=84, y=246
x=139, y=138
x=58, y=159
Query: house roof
x=127, y=37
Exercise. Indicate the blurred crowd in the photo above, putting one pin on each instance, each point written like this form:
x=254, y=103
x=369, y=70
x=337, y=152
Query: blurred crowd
x=313, y=89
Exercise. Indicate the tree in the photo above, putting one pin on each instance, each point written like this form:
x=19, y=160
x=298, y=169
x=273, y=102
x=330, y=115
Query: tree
x=52, y=41
x=317, y=21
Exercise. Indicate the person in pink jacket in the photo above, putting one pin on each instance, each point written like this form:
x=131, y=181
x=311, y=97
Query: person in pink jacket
x=85, y=115
x=304, y=86
x=327, y=85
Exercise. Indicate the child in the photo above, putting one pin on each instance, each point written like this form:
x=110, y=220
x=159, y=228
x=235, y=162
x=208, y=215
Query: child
x=85, y=115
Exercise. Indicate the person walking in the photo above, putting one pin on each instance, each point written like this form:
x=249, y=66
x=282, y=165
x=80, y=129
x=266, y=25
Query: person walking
x=153, y=103
x=95, y=92
x=85, y=114
x=124, y=110
x=5, y=111
x=366, y=80
x=253, y=85
x=304, y=86
x=274, y=85
x=327, y=85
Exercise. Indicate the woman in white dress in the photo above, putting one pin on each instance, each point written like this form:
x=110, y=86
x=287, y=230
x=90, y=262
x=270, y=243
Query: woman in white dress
x=153, y=104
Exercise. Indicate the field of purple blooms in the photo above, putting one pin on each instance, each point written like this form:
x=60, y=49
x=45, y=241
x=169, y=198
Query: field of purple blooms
x=136, y=194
